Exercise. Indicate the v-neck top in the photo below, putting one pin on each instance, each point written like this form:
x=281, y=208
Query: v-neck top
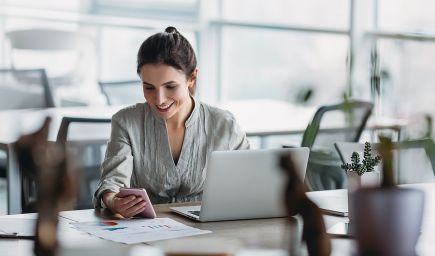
x=138, y=153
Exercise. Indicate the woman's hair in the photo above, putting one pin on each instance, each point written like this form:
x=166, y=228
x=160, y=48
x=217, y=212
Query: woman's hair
x=170, y=48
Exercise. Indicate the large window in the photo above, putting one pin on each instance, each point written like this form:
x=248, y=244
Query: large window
x=282, y=49
x=277, y=49
x=259, y=63
x=328, y=14
x=405, y=43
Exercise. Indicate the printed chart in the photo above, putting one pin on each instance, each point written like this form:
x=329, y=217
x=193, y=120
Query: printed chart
x=138, y=230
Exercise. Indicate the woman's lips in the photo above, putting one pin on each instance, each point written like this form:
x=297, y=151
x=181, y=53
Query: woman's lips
x=164, y=109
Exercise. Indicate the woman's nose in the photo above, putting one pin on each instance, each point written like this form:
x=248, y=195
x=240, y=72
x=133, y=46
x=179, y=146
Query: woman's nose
x=160, y=97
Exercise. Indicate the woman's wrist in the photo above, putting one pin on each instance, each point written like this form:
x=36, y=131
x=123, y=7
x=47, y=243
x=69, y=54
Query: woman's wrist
x=107, y=199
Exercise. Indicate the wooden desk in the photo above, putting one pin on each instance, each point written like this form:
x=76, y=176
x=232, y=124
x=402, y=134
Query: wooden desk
x=261, y=233
x=425, y=245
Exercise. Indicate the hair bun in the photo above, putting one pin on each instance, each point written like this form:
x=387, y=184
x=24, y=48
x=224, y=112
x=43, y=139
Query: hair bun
x=171, y=30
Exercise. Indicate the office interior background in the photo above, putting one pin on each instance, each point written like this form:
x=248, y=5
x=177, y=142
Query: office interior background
x=307, y=53
x=253, y=49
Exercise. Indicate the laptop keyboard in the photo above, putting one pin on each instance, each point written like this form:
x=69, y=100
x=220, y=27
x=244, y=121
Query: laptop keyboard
x=194, y=212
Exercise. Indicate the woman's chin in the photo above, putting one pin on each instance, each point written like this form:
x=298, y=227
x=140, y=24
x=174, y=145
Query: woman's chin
x=164, y=115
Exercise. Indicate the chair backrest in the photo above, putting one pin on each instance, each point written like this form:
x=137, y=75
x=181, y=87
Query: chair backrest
x=414, y=160
x=86, y=153
x=83, y=128
x=122, y=92
x=339, y=122
x=85, y=141
x=21, y=89
x=334, y=123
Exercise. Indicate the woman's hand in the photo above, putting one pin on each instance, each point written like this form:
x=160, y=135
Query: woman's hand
x=126, y=206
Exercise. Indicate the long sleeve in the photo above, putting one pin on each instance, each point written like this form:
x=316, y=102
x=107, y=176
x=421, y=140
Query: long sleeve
x=238, y=138
x=117, y=167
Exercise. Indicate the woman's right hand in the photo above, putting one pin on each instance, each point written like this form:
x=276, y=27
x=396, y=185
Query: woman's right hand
x=126, y=206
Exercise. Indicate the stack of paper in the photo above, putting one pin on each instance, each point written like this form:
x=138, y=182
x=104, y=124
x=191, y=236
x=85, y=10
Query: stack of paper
x=19, y=228
x=138, y=230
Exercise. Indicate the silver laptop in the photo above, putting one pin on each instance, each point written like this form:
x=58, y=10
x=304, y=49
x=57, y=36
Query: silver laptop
x=244, y=184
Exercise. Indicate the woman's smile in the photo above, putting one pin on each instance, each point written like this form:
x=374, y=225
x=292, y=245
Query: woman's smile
x=164, y=107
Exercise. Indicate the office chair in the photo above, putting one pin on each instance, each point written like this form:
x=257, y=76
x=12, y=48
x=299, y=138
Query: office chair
x=69, y=58
x=13, y=179
x=21, y=189
x=85, y=152
x=24, y=88
x=122, y=92
x=85, y=141
x=415, y=155
x=330, y=124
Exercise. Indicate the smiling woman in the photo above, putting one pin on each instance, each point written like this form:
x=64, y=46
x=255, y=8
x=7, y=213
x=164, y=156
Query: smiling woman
x=162, y=145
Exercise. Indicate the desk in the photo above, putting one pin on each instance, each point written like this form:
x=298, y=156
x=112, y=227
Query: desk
x=425, y=244
x=261, y=233
x=264, y=233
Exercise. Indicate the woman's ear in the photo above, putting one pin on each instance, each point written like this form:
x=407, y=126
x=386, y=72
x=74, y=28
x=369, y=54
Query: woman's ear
x=192, y=78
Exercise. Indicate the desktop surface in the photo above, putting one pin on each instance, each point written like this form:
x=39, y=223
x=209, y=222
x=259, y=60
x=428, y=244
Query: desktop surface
x=259, y=233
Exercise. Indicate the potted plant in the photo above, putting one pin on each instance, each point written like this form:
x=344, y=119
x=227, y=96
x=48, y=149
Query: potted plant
x=362, y=174
x=387, y=219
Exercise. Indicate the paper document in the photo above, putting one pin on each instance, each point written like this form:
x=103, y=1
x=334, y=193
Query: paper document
x=138, y=230
x=14, y=227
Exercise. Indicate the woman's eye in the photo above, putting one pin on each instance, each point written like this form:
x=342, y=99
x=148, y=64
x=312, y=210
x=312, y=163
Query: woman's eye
x=149, y=88
x=170, y=87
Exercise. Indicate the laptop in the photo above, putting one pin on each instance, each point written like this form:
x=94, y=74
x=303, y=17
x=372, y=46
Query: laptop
x=244, y=184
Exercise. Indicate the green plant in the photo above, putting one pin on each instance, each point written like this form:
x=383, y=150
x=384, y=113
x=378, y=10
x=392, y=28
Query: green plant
x=368, y=163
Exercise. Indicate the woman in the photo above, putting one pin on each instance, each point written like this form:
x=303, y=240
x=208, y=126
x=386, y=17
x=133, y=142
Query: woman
x=163, y=145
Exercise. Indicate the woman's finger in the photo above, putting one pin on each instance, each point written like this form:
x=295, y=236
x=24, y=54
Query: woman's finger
x=125, y=200
x=130, y=204
x=136, y=209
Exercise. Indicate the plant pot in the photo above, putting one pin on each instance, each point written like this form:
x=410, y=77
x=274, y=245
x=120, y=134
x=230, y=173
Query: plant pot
x=368, y=179
x=355, y=182
x=387, y=221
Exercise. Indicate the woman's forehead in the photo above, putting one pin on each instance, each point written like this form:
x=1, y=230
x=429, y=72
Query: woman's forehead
x=160, y=73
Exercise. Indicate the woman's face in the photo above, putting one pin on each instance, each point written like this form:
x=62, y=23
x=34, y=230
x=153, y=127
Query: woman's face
x=166, y=89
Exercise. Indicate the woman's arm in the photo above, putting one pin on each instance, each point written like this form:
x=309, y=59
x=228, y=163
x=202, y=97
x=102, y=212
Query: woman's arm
x=238, y=139
x=117, y=167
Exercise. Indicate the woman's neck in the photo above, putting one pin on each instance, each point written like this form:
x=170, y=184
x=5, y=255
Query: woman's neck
x=178, y=120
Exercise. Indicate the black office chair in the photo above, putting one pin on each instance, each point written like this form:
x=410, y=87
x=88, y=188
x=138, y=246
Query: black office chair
x=85, y=141
x=122, y=92
x=330, y=124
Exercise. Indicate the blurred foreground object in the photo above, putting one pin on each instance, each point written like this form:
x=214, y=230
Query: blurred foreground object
x=314, y=231
x=387, y=219
x=46, y=164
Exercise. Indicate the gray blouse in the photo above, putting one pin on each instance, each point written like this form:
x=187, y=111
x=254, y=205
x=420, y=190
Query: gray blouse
x=138, y=152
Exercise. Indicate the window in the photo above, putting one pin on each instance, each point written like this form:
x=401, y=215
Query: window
x=159, y=9
x=280, y=65
x=331, y=13
x=406, y=47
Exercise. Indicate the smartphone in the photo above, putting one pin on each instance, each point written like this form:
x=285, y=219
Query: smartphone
x=149, y=210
